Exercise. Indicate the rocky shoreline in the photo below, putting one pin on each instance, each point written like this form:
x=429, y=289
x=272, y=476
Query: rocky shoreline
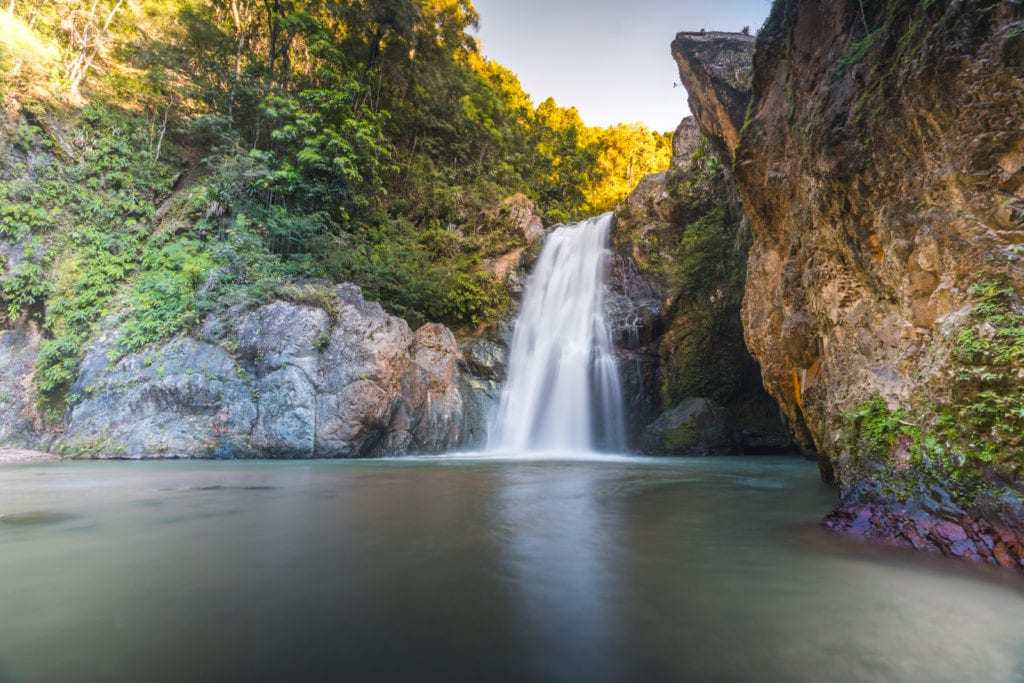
x=10, y=456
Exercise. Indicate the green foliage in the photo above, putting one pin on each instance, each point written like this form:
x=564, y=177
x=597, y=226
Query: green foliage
x=860, y=49
x=874, y=430
x=705, y=264
x=704, y=243
x=475, y=296
x=988, y=414
x=385, y=149
x=975, y=437
x=166, y=295
x=316, y=295
x=27, y=287
x=324, y=155
x=997, y=336
x=174, y=158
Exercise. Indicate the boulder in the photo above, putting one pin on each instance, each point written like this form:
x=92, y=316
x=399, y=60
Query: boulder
x=697, y=426
x=285, y=380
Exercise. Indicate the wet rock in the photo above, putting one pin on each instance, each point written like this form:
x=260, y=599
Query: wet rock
x=695, y=427
x=485, y=358
x=480, y=398
x=484, y=364
x=676, y=284
x=634, y=316
x=968, y=537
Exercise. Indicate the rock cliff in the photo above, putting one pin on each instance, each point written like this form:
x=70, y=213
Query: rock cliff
x=329, y=375
x=681, y=245
x=880, y=162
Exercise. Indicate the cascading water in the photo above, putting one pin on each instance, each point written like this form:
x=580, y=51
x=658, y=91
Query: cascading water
x=563, y=388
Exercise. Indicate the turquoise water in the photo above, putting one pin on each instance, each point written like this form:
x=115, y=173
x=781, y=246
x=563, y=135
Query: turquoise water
x=600, y=569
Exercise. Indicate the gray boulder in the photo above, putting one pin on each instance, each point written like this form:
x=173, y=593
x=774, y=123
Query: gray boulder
x=175, y=400
x=286, y=380
x=19, y=347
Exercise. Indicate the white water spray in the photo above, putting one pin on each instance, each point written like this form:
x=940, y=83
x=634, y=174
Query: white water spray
x=563, y=391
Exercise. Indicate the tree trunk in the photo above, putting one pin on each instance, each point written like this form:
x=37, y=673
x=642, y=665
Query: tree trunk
x=163, y=131
x=241, y=13
x=83, y=61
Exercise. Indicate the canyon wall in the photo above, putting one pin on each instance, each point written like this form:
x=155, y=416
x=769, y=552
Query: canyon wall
x=880, y=159
x=681, y=242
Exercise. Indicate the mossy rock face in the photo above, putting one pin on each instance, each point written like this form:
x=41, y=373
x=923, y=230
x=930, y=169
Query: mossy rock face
x=686, y=232
x=697, y=426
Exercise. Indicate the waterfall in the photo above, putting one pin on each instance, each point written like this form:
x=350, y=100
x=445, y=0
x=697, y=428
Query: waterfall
x=563, y=391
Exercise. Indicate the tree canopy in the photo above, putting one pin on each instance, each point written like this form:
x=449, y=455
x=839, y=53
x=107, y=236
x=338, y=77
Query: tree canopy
x=236, y=143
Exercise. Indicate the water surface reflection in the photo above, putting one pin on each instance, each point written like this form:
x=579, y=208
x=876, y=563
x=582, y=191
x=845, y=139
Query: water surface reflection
x=559, y=549
x=478, y=569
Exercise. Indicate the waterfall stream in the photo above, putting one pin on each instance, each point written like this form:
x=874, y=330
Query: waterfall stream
x=563, y=391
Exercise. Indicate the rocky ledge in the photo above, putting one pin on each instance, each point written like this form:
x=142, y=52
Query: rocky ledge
x=325, y=374
x=881, y=163
x=20, y=455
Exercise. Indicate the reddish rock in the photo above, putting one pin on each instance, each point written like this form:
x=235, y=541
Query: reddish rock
x=970, y=539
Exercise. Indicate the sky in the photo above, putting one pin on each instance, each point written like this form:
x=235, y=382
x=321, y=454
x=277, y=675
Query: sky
x=611, y=59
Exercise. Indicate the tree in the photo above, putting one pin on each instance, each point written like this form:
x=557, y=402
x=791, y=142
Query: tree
x=88, y=29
